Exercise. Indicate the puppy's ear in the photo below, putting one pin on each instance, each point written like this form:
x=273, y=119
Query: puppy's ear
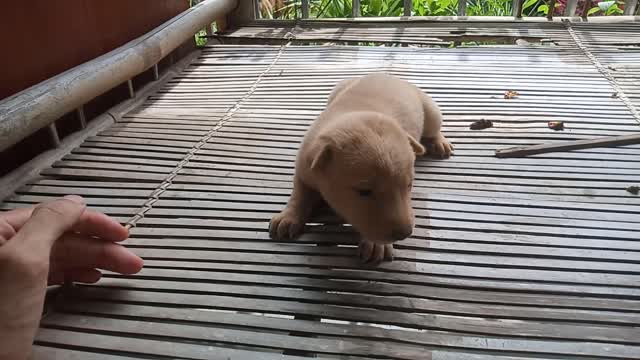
x=416, y=146
x=323, y=154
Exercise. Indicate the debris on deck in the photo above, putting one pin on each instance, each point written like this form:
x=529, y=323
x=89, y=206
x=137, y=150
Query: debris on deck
x=511, y=94
x=556, y=125
x=481, y=124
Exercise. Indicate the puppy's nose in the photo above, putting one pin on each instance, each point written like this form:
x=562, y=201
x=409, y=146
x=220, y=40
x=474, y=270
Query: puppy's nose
x=401, y=233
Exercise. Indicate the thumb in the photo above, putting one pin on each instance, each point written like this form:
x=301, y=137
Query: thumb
x=48, y=222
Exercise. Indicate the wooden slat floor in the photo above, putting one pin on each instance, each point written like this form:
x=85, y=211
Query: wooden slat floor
x=532, y=258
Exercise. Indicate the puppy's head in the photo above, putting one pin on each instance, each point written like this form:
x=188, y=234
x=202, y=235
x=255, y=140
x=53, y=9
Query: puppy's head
x=364, y=168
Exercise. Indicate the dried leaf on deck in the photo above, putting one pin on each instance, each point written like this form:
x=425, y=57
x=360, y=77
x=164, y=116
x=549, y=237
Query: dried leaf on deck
x=510, y=94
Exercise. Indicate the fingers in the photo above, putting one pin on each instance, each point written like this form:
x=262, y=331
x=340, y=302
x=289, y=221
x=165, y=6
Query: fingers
x=86, y=239
x=90, y=223
x=6, y=231
x=48, y=222
x=74, y=251
x=100, y=225
x=17, y=217
x=87, y=276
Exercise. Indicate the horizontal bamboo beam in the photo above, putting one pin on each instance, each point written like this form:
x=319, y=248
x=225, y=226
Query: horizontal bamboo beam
x=40, y=105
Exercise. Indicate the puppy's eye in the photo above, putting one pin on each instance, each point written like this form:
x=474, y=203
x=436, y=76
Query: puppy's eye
x=364, y=192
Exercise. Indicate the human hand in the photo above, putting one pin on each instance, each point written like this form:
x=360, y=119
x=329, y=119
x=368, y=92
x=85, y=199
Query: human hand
x=51, y=243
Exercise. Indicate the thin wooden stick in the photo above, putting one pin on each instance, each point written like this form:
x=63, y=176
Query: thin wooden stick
x=81, y=117
x=305, y=9
x=610, y=141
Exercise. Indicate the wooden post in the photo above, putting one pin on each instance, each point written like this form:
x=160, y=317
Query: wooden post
x=305, y=9
x=53, y=134
x=630, y=7
x=256, y=9
x=552, y=7
x=156, y=73
x=355, y=8
x=517, y=9
x=81, y=117
x=408, y=7
x=570, y=10
x=243, y=14
x=132, y=91
x=462, y=7
x=221, y=24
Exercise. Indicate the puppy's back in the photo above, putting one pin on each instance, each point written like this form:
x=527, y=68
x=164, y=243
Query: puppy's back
x=383, y=94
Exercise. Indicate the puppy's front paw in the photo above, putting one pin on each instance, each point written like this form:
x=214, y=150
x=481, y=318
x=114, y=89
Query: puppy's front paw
x=286, y=225
x=441, y=146
x=370, y=252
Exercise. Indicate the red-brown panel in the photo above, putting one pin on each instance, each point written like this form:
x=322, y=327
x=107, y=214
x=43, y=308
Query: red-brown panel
x=42, y=38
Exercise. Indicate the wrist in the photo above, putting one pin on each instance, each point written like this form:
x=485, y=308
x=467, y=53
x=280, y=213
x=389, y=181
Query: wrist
x=22, y=302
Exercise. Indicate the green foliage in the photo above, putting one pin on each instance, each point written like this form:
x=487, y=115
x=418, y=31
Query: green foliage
x=199, y=36
x=200, y=39
x=606, y=8
x=392, y=8
x=329, y=8
x=489, y=8
x=382, y=8
x=544, y=8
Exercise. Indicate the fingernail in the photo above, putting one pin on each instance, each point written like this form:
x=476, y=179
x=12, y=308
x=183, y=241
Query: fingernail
x=75, y=199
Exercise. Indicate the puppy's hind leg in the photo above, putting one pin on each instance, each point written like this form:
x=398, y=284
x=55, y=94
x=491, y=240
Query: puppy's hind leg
x=432, y=133
x=290, y=222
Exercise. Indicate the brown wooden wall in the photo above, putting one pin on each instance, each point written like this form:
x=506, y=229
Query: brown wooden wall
x=42, y=38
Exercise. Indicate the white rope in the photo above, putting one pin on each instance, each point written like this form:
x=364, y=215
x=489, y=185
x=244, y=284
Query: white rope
x=157, y=192
x=603, y=70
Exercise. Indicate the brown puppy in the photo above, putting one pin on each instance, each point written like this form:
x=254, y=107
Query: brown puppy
x=359, y=157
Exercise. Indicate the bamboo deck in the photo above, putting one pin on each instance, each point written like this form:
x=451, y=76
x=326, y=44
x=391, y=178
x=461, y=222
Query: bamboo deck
x=532, y=258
